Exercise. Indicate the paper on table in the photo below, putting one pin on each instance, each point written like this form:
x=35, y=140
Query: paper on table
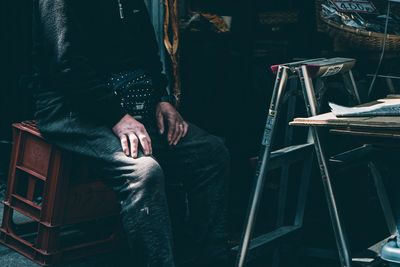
x=384, y=107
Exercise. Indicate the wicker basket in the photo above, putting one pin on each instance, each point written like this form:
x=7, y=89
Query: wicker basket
x=321, y=27
x=356, y=38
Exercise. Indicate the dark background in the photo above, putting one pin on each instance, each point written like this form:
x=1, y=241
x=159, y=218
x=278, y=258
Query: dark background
x=226, y=85
x=15, y=48
x=15, y=57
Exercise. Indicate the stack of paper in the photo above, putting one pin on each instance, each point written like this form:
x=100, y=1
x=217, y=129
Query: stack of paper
x=383, y=107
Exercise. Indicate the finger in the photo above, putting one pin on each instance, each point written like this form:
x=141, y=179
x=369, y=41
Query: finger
x=160, y=123
x=124, y=144
x=144, y=141
x=149, y=142
x=181, y=129
x=134, y=145
x=185, y=128
x=179, y=132
x=176, y=133
x=171, y=130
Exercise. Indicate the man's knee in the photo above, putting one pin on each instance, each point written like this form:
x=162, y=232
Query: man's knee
x=138, y=177
x=149, y=172
x=219, y=147
x=217, y=151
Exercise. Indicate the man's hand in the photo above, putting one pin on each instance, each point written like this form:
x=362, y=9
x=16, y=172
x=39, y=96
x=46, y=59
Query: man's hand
x=131, y=132
x=177, y=127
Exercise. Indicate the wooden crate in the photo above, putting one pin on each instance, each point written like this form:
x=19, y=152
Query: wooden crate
x=61, y=199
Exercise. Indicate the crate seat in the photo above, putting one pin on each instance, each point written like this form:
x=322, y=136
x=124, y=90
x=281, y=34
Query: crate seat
x=70, y=212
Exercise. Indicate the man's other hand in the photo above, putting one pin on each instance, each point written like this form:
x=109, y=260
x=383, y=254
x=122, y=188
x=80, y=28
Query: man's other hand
x=131, y=132
x=177, y=127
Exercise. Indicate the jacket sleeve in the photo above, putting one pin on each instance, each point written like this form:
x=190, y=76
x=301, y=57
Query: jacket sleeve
x=83, y=88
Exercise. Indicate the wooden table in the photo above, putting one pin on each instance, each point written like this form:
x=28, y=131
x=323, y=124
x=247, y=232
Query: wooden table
x=379, y=130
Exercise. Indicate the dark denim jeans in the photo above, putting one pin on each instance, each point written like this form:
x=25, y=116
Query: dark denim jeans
x=199, y=161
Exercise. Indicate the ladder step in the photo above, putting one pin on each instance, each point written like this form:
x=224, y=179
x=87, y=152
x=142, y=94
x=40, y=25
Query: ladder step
x=275, y=68
x=260, y=243
x=286, y=156
x=354, y=156
x=289, y=155
x=321, y=67
x=329, y=67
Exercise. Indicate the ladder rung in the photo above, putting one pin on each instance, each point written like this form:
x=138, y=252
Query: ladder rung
x=266, y=239
x=357, y=155
x=289, y=155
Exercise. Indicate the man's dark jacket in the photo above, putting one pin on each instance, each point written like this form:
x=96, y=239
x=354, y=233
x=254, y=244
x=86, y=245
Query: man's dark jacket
x=78, y=43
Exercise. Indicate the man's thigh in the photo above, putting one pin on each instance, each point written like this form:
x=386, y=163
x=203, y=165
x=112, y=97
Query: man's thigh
x=81, y=137
x=98, y=144
x=194, y=154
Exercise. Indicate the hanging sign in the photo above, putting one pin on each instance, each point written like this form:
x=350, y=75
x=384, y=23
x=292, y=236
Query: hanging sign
x=360, y=6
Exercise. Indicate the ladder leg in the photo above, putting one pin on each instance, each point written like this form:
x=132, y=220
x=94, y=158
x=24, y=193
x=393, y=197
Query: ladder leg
x=354, y=85
x=285, y=169
x=390, y=85
x=283, y=184
x=383, y=198
x=279, y=86
x=341, y=239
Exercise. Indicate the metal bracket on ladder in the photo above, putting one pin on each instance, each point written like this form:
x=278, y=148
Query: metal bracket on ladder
x=304, y=71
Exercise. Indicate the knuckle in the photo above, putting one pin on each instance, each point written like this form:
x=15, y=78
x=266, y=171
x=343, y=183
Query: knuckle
x=142, y=138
